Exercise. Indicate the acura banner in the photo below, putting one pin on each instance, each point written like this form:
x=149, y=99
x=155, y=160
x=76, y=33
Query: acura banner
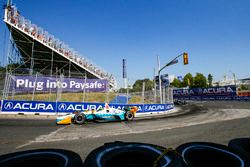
x=69, y=107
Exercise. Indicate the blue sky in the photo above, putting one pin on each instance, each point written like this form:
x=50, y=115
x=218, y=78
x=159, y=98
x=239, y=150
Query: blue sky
x=215, y=33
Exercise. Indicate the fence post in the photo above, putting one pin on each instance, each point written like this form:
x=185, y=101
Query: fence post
x=84, y=89
x=164, y=95
x=143, y=92
x=107, y=93
x=34, y=90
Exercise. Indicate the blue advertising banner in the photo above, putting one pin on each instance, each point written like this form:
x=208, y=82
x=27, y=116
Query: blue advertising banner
x=81, y=106
x=154, y=107
x=121, y=106
x=77, y=106
x=212, y=93
x=69, y=107
x=28, y=106
x=246, y=98
x=0, y=105
x=23, y=84
x=143, y=108
x=241, y=98
x=200, y=93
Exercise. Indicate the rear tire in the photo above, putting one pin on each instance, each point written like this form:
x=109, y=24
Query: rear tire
x=129, y=116
x=80, y=118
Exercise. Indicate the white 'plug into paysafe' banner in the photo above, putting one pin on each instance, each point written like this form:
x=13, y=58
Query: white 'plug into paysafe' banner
x=25, y=84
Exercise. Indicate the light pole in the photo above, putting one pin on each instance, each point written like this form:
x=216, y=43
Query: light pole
x=234, y=77
x=235, y=80
x=174, y=61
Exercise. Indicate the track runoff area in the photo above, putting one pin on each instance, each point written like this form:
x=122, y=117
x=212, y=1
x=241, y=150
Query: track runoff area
x=210, y=121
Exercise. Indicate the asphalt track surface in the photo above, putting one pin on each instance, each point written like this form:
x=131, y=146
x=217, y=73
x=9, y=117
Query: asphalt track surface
x=198, y=121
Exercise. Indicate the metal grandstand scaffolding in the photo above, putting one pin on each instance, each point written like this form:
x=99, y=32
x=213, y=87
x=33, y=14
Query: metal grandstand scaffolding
x=37, y=51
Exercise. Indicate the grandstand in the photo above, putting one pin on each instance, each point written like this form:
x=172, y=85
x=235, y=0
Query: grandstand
x=40, y=52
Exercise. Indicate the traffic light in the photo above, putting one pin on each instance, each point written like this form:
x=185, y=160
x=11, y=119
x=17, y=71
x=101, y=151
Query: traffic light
x=185, y=58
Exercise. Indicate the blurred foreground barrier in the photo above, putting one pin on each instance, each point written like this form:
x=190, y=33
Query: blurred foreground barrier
x=41, y=158
x=242, y=145
x=203, y=154
x=133, y=154
x=130, y=154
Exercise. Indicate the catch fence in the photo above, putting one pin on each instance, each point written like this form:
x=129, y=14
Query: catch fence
x=78, y=89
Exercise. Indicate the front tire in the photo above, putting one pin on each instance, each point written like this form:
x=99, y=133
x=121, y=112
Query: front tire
x=129, y=116
x=80, y=118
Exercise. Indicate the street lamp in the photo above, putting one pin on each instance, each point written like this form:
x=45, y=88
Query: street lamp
x=172, y=62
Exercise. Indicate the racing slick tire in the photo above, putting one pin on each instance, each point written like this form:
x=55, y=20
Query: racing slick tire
x=41, y=158
x=132, y=154
x=242, y=145
x=79, y=118
x=129, y=116
x=206, y=154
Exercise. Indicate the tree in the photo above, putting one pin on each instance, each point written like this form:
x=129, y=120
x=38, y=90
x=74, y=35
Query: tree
x=122, y=90
x=188, y=80
x=176, y=83
x=200, y=81
x=149, y=84
x=2, y=69
x=210, y=80
x=243, y=87
x=137, y=86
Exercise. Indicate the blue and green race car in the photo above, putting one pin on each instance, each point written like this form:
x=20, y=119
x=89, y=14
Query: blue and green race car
x=107, y=114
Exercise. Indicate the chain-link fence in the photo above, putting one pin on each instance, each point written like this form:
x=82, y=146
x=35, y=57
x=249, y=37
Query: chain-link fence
x=59, y=93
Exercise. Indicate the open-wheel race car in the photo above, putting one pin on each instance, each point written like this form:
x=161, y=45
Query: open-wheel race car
x=107, y=114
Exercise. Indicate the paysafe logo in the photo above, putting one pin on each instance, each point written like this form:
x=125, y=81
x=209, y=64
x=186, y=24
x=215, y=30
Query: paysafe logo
x=8, y=105
x=62, y=106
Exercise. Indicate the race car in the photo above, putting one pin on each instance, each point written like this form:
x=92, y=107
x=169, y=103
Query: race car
x=107, y=113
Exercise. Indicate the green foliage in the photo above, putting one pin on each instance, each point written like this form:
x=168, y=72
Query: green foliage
x=137, y=86
x=122, y=90
x=188, y=80
x=210, y=80
x=200, y=81
x=11, y=67
x=243, y=87
x=176, y=83
x=2, y=69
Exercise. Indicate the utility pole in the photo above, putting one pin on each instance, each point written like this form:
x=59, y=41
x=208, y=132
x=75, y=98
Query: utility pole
x=159, y=78
x=154, y=85
x=124, y=75
x=143, y=91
